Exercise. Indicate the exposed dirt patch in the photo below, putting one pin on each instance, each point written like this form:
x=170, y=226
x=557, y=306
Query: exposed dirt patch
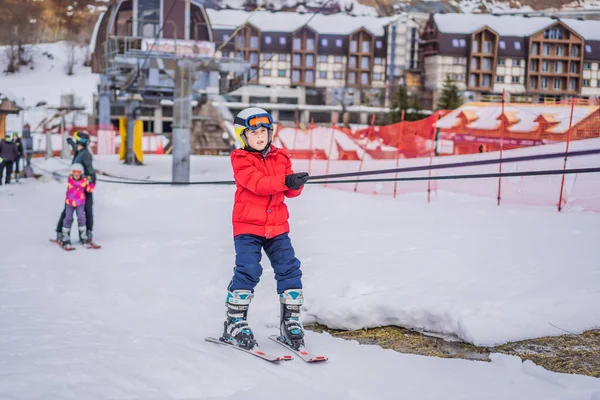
x=575, y=354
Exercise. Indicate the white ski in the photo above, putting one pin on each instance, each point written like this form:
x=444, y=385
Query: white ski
x=301, y=352
x=255, y=351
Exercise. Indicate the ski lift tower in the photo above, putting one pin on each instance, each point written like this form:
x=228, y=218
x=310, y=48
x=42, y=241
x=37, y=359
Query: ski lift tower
x=144, y=61
x=195, y=69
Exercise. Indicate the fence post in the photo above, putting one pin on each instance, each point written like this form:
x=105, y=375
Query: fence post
x=364, y=151
x=562, y=181
x=502, y=127
x=295, y=136
x=400, y=139
x=329, y=154
x=275, y=132
x=310, y=144
x=433, y=143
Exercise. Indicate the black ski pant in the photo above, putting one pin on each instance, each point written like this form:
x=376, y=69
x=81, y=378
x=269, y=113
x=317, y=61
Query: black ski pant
x=17, y=162
x=8, y=165
x=89, y=214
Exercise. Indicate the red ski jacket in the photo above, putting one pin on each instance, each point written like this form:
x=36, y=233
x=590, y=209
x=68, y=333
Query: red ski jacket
x=259, y=208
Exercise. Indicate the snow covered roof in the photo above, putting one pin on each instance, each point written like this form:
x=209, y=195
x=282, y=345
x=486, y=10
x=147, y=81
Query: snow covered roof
x=589, y=30
x=509, y=25
x=266, y=21
x=9, y=103
x=524, y=116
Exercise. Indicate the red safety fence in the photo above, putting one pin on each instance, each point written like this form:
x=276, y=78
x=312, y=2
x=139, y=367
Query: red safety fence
x=103, y=141
x=475, y=131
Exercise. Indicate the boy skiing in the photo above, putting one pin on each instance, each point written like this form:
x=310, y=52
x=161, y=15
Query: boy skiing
x=78, y=185
x=264, y=177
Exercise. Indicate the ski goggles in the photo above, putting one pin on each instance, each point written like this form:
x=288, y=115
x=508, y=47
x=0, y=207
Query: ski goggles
x=254, y=122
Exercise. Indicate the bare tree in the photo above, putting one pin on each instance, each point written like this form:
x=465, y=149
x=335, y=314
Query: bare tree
x=19, y=26
x=71, y=49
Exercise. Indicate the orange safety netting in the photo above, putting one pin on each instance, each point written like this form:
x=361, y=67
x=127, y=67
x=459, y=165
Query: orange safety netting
x=475, y=131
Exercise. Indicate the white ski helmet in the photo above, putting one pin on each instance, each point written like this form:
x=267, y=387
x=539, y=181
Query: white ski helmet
x=77, y=167
x=252, y=118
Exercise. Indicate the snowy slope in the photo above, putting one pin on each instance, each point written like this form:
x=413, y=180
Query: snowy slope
x=128, y=321
x=47, y=82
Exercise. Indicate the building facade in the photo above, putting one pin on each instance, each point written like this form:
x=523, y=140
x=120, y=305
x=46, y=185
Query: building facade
x=344, y=59
x=531, y=59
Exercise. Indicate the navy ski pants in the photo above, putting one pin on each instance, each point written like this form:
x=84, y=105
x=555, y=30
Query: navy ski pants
x=248, y=270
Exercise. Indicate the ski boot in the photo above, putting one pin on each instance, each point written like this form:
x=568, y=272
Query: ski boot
x=237, y=331
x=83, y=237
x=89, y=236
x=292, y=331
x=65, y=240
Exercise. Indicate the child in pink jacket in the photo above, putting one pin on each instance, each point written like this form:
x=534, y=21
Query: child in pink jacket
x=77, y=186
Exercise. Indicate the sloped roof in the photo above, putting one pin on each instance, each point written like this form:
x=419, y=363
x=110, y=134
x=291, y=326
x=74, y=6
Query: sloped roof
x=8, y=105
x=509, y=25
x=266, y=21
x=511, y=117
x=548, y=117
x=488, y=116
x=590, y=30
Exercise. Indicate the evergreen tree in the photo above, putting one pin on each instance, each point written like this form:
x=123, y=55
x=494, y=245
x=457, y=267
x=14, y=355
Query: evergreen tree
x=415, y=115
x=450, y=98
x=400, y=101
x=403, y=101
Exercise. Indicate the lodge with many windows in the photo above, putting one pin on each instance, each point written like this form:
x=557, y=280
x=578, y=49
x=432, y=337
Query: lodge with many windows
x=325, y=53
x=531, y=59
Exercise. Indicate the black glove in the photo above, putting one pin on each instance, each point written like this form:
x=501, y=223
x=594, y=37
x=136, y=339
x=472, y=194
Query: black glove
x=296, y=181
x=70, y=141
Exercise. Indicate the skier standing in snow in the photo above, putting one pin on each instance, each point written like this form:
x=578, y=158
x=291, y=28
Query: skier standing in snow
x=263, y=176
x=8, y=155
x=19, y=145
x=75, y=201
x=80, y=142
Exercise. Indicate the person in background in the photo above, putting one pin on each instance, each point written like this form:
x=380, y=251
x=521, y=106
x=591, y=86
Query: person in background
x=83, y=156
x=75, y=203
x=8, y=155
x=27, y=147
x=19, y=145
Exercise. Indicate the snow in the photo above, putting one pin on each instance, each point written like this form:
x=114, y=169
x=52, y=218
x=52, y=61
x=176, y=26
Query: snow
x=47, y=82
x=510, y=25
x=266, y=21
x=318, y=138
x=590, y=30
x=128, y=321
x=493, y=6
x=357, y=7
x=488, y=114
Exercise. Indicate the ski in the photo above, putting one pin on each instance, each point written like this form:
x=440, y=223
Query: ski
x=65, y=248
x=255, y=351
x=91, y=245
x=302, y=352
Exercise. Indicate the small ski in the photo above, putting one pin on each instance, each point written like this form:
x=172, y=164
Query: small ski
x=92, y=245
x=65, y=248
x=255, y=351
x=302, y=352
